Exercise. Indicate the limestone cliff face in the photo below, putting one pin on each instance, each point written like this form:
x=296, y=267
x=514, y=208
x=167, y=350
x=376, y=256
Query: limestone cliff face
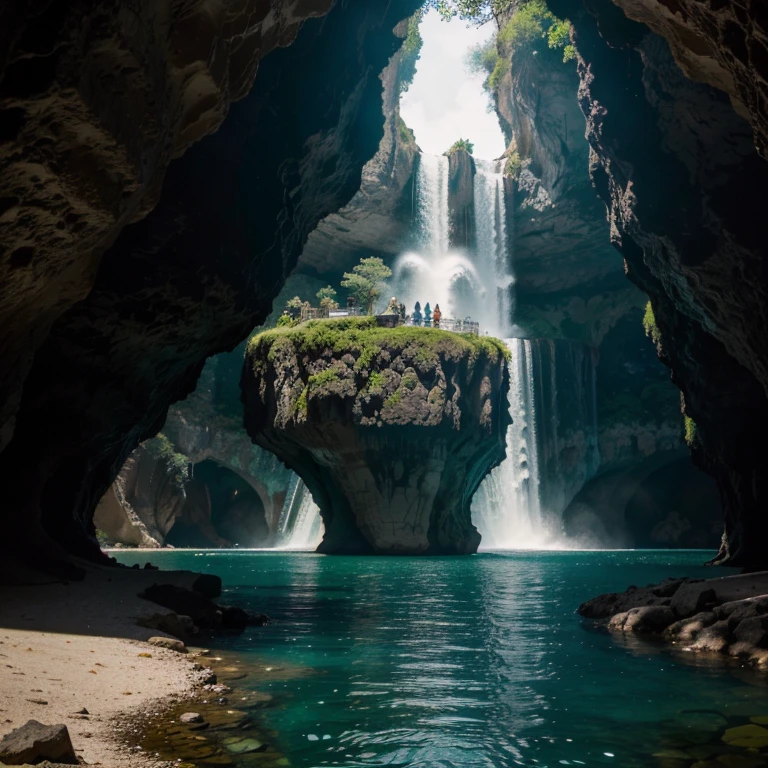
x=392, y=432
x=461, y=199
x=570, y=283
x=377, y=219
x=198, y=273
x=683, y=183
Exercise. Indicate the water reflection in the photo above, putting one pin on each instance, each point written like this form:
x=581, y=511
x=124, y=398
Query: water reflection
x=476, y=661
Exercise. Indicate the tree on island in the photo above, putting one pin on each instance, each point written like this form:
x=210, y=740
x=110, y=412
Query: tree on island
x=366, y=280
x=461, y=144
x=327, y=298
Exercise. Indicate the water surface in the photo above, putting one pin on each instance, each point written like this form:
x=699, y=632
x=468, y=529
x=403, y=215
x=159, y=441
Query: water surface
x=464, y=661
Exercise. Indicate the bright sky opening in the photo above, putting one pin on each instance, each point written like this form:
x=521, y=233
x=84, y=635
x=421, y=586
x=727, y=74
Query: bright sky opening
x=446, y=101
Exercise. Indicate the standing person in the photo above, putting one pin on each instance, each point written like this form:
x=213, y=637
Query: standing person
x=402, y=313
x=427, y=315
x=436, y=316
x=417, y=314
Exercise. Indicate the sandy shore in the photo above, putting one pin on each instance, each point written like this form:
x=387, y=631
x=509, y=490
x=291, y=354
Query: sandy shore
x=69, y=646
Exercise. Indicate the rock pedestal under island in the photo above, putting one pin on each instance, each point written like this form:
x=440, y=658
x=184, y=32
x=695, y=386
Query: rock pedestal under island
x=392, y=430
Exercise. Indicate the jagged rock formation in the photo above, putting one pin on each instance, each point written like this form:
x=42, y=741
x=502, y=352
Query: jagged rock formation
x=461, y=198
x=195, y=275
x=392, y=431
x=376, y=220
x=678, y=170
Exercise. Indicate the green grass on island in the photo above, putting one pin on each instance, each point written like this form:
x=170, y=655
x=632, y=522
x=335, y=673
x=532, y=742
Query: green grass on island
x=365, y=340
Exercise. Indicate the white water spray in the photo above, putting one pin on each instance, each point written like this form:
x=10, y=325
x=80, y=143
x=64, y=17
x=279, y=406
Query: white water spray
x=507, y=507
x=300, y=525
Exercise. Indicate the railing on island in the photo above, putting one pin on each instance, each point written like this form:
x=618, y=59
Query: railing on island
x=389, y=320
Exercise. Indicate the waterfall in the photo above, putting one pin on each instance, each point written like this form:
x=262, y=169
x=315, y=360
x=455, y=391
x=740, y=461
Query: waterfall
x=507, y=507
x=492, y=252
x=432, y=202
x=435, y=272
x=300, y=525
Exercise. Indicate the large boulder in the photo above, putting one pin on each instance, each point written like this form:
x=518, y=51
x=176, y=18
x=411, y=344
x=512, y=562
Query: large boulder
x=34, y=742
x=392, y=430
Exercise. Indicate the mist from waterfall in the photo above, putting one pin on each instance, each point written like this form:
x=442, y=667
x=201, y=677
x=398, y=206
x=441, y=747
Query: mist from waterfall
x=466, y=283
x=300, y=525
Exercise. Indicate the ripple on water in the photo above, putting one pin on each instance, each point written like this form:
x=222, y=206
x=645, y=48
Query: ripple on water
x=474, y=662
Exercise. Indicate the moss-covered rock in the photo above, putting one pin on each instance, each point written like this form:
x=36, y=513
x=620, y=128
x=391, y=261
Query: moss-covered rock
x=392, y=430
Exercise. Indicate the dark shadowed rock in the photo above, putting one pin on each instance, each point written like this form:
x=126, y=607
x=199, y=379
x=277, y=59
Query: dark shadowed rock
x=207, y=584
x=236, y=618
x=691, y=599
x=203, y=611
x=143, y=317
x=35, y=742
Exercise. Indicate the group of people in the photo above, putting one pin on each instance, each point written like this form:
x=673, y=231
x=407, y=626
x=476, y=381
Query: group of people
x=428, y=318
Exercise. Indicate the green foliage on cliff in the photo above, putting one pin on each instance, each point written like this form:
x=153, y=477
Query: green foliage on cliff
x=461, y=144
x=530, y=25
x=363, y=339
x=162, y=449
x=406, y=134
x=411, y=50
x=287, y=320
x=365, y=281
x=514, y=165
x=533, y=23
x=375, y=380
x=690, y=430
x=649, y=324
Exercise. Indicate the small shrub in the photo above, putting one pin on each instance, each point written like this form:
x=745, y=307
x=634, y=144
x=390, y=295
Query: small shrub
x=375, y=380
x=649, y=325
x=160, y=448
x=461, y=144
x=411, y=51
x=406, y=134
x=514, y=165
x=690, y=430
x=286, y=321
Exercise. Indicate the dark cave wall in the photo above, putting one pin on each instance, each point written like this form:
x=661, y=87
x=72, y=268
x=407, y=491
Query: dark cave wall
x=96, y=100
x=683, y=183
x=196, y=275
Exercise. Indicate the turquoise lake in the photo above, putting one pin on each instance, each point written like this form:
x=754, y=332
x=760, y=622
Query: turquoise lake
x=466, y=661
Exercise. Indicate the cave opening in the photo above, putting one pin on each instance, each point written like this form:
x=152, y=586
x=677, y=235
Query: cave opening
x=221, y=510
x=187, y=192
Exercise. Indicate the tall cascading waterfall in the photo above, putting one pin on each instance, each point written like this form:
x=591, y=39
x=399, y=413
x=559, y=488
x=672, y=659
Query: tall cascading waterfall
x=492, y=254
x=435, y=272
x=300, y=525
x=507, y=507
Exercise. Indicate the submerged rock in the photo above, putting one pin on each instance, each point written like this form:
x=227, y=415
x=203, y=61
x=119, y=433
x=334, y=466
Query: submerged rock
x=391, y=430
